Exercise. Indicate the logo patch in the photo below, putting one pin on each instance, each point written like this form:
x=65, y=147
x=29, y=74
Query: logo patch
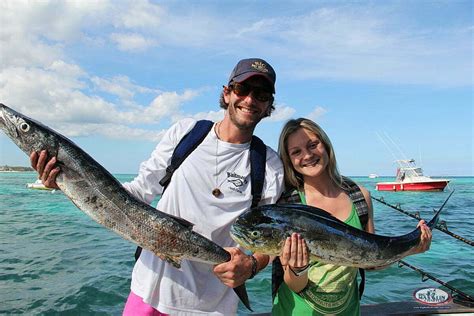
x=237, y=181
x=260, y=66
x=432, y=296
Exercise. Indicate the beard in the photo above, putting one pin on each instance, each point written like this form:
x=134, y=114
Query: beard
x=241, y=121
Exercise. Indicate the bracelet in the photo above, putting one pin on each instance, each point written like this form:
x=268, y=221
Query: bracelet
x=300, y=271
x=254, y=267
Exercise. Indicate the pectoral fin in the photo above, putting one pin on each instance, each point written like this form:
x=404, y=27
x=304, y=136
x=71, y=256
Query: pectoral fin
x=174, y=261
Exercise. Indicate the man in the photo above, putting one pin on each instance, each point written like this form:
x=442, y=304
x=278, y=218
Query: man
x=210, y=189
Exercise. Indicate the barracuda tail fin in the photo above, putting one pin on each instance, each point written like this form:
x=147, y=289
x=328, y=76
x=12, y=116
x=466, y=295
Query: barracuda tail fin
x=434, y=220
x=241, y=292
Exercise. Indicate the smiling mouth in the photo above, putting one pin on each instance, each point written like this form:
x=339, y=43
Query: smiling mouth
x=312, y=163
x=247, y=110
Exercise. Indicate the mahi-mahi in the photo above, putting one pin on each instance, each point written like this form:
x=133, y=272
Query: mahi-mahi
x=264, y=229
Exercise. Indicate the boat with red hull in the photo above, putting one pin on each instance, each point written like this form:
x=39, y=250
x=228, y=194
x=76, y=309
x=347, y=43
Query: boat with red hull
x=410, y=178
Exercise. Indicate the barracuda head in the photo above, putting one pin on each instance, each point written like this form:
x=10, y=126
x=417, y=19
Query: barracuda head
x=260, y=230
x=26, y=133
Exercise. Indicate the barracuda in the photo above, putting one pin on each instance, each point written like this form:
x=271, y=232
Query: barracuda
x=98, y=194
x=264, y=229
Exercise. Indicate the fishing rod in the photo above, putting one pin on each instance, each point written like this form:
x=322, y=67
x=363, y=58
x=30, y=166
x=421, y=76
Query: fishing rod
x=466, y=300
x=440, y=226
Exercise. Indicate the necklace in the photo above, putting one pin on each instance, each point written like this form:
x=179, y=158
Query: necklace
x=217, y=192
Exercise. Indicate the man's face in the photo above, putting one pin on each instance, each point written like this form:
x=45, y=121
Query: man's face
x=249, y=102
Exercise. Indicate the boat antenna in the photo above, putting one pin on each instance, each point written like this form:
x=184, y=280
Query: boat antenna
x=396, y=146
x=419, y=154
x=386, y=145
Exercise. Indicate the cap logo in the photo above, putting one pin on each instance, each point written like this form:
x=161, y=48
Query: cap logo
x=259, y=66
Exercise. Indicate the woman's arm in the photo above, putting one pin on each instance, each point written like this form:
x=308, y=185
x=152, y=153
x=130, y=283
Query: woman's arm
x=294, y=260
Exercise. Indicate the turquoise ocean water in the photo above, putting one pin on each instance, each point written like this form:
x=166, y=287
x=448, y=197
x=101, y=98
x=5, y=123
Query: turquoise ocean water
x=54, y=259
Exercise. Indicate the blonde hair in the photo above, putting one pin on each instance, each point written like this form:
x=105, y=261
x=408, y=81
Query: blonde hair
x=293, y=179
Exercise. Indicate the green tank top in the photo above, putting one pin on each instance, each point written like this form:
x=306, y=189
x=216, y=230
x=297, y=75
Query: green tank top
x=331, y=289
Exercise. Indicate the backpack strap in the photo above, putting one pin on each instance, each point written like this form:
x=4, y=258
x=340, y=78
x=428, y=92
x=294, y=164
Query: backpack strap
x=186, y=146
x=358, y=199
x=258, y=158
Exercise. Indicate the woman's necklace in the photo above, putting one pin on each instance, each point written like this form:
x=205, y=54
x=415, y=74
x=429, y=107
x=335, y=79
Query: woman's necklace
x=217, y=192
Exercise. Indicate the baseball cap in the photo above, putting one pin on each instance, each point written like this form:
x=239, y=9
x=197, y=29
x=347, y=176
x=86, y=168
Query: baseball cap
x=250, y=67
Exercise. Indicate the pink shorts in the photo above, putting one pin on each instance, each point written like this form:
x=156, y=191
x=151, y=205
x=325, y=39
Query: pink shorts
x=136, y=307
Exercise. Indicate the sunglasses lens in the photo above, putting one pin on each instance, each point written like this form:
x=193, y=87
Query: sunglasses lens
x=243, y=90
x=262, y=96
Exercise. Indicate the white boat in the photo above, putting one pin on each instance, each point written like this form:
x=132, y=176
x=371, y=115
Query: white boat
x=410, y=177
x=38, y=185
x=373, y=175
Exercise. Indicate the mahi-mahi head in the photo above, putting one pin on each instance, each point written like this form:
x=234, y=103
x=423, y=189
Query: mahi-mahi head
x=98, y=194
x=264, y=229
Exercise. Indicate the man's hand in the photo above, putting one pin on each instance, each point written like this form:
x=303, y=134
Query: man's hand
x=425, y=240
x=235, y=271
x=47, y=171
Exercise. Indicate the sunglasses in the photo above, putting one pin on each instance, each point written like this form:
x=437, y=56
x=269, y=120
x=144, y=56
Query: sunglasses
x=243, y=90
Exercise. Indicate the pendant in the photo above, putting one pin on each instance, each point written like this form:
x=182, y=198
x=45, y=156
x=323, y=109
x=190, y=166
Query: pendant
x=216, y=192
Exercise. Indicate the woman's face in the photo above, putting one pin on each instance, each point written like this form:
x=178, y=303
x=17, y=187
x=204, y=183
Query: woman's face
x=307, y=153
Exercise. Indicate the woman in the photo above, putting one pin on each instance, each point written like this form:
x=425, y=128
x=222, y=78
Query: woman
x=313, y=178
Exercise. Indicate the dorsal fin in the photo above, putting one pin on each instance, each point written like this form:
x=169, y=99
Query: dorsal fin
x=182, y=221
x=311, y=210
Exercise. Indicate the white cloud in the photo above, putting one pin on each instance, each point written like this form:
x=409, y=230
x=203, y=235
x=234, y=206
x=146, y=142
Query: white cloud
x=355, y=45
x=166, y=104
x=109, y=130
x=281, y=113
x=138, y=14
x=120, y=86
x=54, y=20
x=211, y=115
x=132, y=42
x=316, y=114
x=57, y=97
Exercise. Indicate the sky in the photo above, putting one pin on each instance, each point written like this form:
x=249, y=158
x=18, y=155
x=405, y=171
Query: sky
x=386, y=80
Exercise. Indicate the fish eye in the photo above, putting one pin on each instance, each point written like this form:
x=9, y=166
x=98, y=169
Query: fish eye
x=255, y=234
x=24, y=127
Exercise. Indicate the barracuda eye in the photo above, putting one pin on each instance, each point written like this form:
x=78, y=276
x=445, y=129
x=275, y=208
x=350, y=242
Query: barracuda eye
x=24, y=127
x=255, y=234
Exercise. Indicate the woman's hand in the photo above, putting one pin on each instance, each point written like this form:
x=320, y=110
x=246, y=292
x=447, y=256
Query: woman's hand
x=295, y=259
x=295, y=253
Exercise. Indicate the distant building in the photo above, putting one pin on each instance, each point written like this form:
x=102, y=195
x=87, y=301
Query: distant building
x=6, y=168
